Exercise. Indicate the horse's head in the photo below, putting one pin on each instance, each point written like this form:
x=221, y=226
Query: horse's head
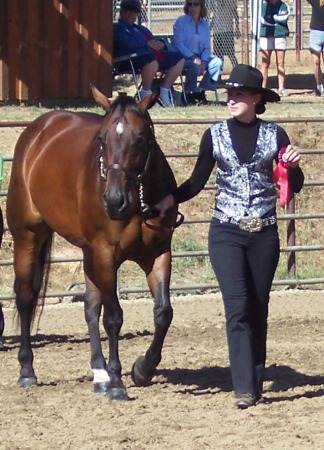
x=126, y=142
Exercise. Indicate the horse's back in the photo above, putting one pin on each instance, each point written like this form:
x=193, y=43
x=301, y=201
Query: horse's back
x=46, y=130
x=46, y=166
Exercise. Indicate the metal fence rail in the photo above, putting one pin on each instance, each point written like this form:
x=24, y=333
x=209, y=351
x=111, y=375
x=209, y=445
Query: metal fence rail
x=290, y=217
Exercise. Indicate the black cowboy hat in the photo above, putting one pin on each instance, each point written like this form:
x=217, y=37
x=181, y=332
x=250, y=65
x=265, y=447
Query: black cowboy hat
x=247, y=77
x=131, y=5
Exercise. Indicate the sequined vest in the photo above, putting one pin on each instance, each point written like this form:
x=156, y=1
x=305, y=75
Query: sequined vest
x=245, y=189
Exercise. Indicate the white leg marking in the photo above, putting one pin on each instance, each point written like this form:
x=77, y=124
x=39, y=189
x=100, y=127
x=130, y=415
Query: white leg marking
x=100, y=376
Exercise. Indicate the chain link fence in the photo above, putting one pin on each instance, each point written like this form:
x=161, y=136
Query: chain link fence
x=229, y=22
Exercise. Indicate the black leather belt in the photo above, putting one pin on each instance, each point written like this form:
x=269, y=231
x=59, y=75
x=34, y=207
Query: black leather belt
x=251, y=224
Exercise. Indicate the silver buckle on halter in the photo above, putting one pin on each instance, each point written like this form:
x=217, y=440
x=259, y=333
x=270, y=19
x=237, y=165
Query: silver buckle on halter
x=251, y=224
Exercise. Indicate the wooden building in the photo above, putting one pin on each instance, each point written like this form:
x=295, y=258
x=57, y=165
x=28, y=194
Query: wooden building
x=54, y=49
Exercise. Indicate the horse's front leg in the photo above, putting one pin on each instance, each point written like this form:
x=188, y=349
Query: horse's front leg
x=159, y=282
x=106, y=378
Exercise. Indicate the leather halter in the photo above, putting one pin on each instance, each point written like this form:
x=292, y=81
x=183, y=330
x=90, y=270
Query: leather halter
x=147, y=211
x=136, y=178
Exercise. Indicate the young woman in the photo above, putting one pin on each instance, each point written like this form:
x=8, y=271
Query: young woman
x=243, y=236
x=273, y=37
x=191, y=37
x=316, y=42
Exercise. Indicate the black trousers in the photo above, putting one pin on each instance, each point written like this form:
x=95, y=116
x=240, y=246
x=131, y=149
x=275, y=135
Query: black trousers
x=244, y=264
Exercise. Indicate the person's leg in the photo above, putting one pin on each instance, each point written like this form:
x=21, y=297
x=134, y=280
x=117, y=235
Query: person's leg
x=265, y=64
x=148, y=73
x=228, y=259
x=316, y=45
x=172, y=66
x=263, y=256
x=316, y=59
x=192, y=73
x=147, y=65
x=214, y=67
x=280, y=61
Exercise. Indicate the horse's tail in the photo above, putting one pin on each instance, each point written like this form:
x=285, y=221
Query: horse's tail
x=45, y=265
x=41, y=278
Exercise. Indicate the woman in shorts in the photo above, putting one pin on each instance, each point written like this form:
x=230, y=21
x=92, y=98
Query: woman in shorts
x=273, y=37
x=316, y=42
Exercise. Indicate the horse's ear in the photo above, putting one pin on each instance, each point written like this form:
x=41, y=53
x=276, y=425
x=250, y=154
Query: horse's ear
x=149, y=101
x=100, y=98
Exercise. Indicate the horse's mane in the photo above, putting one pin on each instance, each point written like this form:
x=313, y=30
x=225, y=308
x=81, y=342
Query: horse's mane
x=124, y=103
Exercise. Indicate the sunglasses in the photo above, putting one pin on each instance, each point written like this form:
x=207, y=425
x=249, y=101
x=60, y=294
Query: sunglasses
x=193, y=4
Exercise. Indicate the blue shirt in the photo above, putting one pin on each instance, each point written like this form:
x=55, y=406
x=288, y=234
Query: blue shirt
x=129, y=39
x=184, y=37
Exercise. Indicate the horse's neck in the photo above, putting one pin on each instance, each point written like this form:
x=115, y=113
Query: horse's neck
x=160, y=180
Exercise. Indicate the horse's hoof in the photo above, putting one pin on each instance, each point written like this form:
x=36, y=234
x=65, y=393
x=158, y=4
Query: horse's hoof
x=101, y=388
x=26, y=382
x=117, y=394
x=141, y=374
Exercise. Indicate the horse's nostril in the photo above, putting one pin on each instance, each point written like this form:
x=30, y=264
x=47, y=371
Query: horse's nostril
x=116, y=204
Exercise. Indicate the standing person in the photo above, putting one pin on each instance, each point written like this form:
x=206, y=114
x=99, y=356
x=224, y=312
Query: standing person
x=316, y=42
x=191, y=37
x=151, y=54
x=225, y=26
x=273, y=37
x=243, y=235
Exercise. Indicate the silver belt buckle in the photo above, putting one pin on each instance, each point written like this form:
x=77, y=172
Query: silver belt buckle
x=251, y=224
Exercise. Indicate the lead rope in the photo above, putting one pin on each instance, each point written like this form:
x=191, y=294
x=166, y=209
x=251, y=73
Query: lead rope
x=144, y=206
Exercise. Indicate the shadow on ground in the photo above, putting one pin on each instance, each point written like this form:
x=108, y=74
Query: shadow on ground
x=294, y=81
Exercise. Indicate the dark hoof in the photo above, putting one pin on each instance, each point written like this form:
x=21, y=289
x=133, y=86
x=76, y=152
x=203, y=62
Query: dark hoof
x=117, y=394
x=101, y=388
x=27, y=382
x=141, y=374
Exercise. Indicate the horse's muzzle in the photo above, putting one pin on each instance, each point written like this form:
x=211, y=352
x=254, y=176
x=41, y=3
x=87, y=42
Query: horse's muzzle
x=117, y=204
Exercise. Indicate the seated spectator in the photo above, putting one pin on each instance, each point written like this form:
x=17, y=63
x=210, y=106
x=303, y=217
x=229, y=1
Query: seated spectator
x=151, y=53
x=191, y=37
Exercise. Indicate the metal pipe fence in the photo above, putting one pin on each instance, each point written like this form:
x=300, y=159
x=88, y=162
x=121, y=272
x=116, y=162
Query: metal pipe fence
x=291, y=216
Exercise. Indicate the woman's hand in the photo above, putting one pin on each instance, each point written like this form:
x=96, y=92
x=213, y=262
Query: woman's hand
x=164, y=204
x=292, y=156
x=196, y=59
x=155, y=45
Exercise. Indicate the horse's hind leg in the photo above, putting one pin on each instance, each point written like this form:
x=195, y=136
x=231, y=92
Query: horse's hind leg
x=159, y=282
x=30, y=252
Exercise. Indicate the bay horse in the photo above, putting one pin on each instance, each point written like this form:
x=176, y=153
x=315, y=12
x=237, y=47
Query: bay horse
x=94, y=180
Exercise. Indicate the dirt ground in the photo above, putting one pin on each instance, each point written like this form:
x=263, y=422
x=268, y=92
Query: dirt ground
x=189, y=404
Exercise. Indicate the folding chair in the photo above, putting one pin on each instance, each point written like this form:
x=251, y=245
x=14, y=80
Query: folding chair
x=132, y=71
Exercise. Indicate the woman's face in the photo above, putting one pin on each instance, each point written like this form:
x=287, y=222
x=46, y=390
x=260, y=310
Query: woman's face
x=241, y=103
x=129, y=16
x=193, y=7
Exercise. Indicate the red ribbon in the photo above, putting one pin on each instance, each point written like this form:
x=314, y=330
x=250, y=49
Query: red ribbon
x=280, y=177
